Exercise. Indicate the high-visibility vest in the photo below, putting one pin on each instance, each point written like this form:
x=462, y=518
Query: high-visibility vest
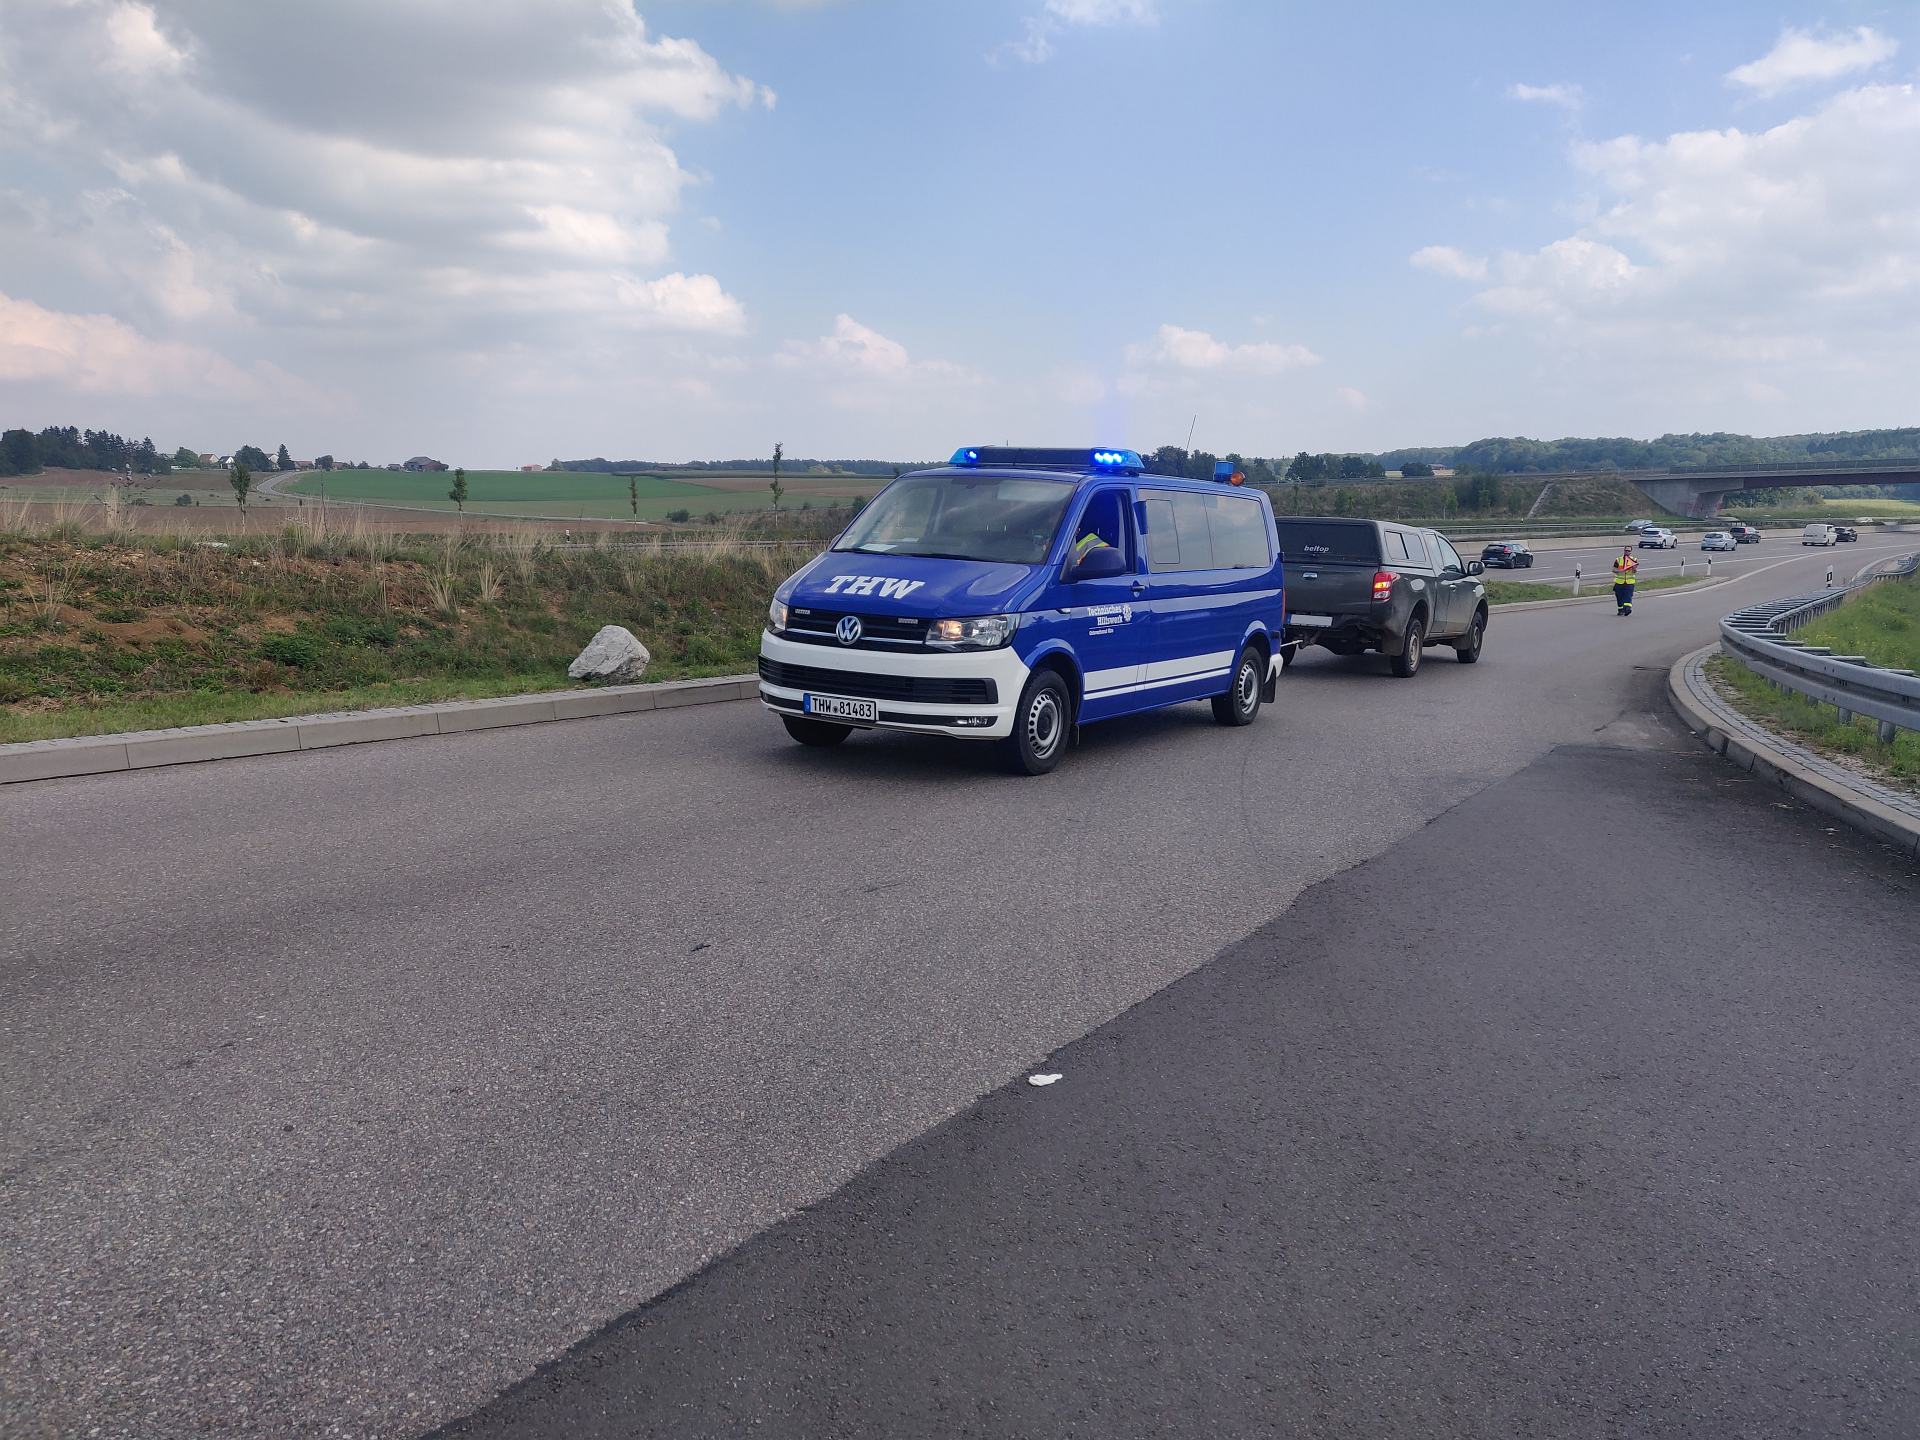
x=1087, y=543
x=1625, y=570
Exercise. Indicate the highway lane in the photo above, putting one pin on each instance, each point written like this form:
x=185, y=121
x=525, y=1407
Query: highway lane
x=1526, y=1154
x=1596, y=562
x=342, y=1089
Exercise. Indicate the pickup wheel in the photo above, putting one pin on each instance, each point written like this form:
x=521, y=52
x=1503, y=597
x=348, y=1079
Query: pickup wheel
x=1467, y=650
x=1242, y=702
x=815, y=732
x=1407, y=663
x=1040, y=725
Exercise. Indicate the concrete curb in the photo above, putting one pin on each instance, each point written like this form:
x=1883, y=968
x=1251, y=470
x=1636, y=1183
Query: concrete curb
x=1603, y=595
x=140, y=749
x=1764, y=762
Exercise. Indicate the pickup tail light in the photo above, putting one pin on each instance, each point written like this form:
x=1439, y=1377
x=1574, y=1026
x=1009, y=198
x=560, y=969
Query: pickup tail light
x=1383, y=584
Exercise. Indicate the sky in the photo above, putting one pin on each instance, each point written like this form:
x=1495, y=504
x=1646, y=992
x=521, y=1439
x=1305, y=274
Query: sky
x=498, y=231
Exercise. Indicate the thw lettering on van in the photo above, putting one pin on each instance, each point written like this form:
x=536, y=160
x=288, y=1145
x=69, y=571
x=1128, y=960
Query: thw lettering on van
x=885, y=587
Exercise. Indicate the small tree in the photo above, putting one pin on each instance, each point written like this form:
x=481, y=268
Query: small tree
x=633, y=494
x=283, y=461
x=458, y=494
x=323, y=462
x=1416, y=470
x=185, y=459
x=241, y=479
x=776, y=487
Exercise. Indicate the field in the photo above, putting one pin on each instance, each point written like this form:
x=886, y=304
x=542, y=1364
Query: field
x=571, y=494
x=1880, y=509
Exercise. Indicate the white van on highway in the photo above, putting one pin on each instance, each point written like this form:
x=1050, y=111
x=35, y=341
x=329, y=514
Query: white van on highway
x=1819, y=535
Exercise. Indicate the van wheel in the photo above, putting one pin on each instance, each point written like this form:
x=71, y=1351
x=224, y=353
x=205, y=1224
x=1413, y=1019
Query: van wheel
x=1407, y=663
x=815, y=732
x=1467, y=652
x=1242, y=702
x=1040, y=725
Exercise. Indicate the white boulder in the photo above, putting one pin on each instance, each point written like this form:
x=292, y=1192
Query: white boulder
x=614, y=655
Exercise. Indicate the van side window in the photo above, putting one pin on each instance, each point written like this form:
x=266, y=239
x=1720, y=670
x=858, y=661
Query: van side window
x=1448, y=556
x=1106, y=517
x=1163, y=540
x=1191, y=524
x=1397, y=547
x=1239, y=533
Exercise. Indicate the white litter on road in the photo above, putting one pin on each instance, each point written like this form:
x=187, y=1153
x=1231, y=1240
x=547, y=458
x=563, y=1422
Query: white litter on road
x=1041, y=1079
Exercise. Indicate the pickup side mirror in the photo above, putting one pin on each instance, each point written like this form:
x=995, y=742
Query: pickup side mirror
x=1101, y=564
x=1474, y=567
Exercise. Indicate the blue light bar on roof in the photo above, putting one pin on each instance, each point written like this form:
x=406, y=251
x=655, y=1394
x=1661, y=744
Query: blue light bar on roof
x=1126, y=462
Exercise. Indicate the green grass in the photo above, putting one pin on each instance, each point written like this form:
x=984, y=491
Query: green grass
x=99, y=633
x=1868, y=505
x=1817, y=725
x=1881, y=623
x=565, y=494
x=1518, y=592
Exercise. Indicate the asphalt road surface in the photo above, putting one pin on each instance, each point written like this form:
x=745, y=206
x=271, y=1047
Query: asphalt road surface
x=342, y=1090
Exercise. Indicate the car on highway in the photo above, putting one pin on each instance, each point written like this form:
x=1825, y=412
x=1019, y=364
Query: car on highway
x=1845, y=534
x=1014, y=595
x=1820, y=534
x=1637, y=525
x=1744, y=534
x=1718, y=540
x=1359, y=585
x=1655, y=538
x=1508, y=554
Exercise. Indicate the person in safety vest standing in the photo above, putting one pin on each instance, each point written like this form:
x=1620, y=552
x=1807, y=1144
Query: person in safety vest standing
x=1626, y=571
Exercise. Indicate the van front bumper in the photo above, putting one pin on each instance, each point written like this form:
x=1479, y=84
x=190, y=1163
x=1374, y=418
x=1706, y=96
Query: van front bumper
x=970, y=695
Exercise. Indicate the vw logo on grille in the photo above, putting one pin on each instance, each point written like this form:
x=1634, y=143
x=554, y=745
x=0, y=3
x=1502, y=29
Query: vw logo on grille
x=848, y=630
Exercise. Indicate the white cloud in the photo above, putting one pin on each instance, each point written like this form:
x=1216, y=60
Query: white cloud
x=1354, y=400
x=1800, y=57
x=507, y=156
x=1036, y=45
x=862, y=368
x=1723, y=261
x=1446, y=260
x=1562, y=94
x=98, y=355
x=1194, y=351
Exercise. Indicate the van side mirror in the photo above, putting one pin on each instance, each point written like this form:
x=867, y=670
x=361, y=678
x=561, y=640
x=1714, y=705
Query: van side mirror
x=1101, y=564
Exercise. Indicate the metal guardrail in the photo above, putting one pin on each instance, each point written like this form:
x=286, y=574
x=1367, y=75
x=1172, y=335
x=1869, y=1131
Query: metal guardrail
x=1757, y=638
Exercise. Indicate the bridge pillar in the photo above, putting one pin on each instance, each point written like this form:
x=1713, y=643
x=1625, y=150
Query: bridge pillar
x=1683, y=497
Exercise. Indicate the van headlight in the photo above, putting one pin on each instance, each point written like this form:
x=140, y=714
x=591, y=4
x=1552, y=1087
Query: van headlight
x=982, y=632
x=777, y=617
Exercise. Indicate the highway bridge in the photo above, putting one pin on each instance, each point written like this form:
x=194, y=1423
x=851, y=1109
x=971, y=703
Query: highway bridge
x=1698, y=492
x=1467, y=1055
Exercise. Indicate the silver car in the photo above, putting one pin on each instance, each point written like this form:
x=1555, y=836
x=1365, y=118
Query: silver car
x=1718, y=540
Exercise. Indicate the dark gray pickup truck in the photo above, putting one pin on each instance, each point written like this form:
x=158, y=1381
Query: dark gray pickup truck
x=1357, y=585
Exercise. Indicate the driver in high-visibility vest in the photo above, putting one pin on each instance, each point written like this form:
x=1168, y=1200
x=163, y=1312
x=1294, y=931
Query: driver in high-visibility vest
x=1626, y=572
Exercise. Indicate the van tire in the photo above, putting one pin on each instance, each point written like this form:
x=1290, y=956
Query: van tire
x=1042, y=723
x=1242, y=701
x=1407, y=663
x=820, y=733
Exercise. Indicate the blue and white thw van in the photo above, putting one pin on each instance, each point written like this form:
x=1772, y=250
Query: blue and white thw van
x=1014, y=594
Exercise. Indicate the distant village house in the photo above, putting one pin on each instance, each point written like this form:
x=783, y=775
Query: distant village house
x=424, y=462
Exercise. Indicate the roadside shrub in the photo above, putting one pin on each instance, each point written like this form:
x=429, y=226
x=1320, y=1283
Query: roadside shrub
x=679, y=517
x=361, y=630
x=183, y=499
x=296, y=651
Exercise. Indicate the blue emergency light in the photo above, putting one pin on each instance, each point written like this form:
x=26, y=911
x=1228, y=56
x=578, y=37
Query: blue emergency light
x=1119, y=462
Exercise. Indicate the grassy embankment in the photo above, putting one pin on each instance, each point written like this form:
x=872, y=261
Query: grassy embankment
x=107, y=631
x=1517, y=592
x=1882, y=624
